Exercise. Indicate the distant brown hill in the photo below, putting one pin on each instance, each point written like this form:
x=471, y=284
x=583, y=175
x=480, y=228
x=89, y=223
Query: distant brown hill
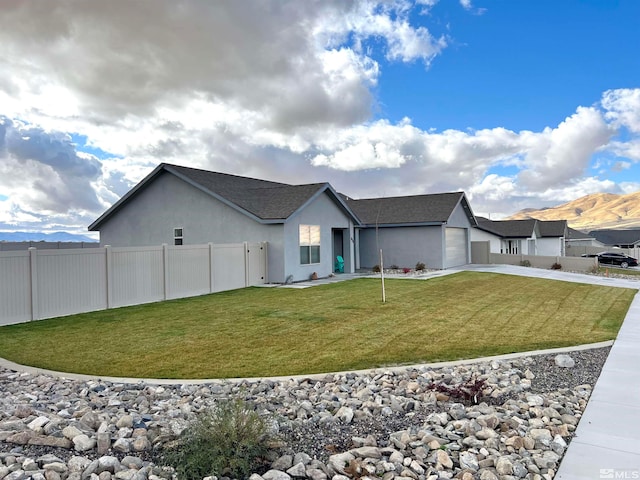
x=592, y=212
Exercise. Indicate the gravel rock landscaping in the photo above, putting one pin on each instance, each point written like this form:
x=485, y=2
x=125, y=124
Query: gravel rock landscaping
x=387, y=424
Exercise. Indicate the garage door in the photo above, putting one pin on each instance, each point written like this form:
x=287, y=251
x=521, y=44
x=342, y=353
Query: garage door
x=456, y=247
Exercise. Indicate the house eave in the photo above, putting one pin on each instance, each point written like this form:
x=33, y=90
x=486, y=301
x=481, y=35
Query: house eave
x=388, y=225
x=95, y=226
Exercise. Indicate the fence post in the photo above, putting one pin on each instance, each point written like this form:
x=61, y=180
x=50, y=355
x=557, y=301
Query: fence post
x=108, y=271
x=33, y=253
x=165, y=264
x=211, y=276
x=246, y=264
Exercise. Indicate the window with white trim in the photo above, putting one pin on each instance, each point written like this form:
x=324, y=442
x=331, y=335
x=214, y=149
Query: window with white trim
x=309, y=244
x=177, y=236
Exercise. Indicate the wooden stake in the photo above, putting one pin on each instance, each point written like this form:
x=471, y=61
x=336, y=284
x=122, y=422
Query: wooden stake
x=384, y=296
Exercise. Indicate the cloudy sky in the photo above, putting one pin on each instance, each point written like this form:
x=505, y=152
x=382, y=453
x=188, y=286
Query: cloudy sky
x=519, y=104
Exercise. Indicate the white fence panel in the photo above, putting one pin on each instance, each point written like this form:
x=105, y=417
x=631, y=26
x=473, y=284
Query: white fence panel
x=15, y=290
x=137, y=275
x=38, y=284
x=226, y=275
x=188, y=271
x=70, y=281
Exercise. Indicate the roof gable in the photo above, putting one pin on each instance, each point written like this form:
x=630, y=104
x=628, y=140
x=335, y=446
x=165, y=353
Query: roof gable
x=262, y=200
x=415, y=209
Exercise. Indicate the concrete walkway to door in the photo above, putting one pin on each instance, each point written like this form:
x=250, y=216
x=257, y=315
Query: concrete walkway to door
x=607, y=440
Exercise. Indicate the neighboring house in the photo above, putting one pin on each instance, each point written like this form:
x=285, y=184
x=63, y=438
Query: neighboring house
x=513, y=237
x=432, y=229
x=551, y=241
x=576, y=238
x=307, y=226
x=522, y=237
x=617, y=238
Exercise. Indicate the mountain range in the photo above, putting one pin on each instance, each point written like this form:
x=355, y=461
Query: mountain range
x=592, y=212
x=43, y=237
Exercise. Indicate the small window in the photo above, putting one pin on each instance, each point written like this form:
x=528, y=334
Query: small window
x=177, y=236
x=309, y=244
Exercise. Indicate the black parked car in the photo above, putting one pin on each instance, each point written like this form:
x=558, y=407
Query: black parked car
x=613, y=258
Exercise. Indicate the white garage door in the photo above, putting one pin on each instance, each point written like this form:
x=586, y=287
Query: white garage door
x=456, y=246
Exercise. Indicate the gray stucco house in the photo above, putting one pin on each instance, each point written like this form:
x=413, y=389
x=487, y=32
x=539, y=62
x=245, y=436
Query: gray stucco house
x=306, y=226
x=433, y=229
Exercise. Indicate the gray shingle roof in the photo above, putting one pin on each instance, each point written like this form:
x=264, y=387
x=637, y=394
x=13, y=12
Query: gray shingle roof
x=264, y=199
x=616, y=237
x=419, y=209
x=271, y=202
x=508, y=228
x=573, y=234
x=552, y=228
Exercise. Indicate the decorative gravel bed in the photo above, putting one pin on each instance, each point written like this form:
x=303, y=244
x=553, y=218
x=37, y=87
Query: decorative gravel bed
x=385, y=424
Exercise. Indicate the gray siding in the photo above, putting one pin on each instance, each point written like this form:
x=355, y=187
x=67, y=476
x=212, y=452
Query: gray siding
x=324, y=212
x=459, y=218
x=402, y=246
x=405, y=246
x=168, y=203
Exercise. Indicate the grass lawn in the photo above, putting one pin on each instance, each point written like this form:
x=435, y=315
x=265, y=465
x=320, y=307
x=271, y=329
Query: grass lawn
x=340, y=326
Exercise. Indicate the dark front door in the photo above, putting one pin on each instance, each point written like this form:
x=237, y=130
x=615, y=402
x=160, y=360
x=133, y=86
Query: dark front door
x=338, y=243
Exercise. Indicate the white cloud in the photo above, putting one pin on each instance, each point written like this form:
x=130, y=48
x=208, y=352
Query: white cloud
x=623, y=107
x=281, y=90
x=557, y=156
x=629, y=149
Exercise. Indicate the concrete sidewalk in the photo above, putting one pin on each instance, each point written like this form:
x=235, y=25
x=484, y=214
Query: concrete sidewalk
x=607, y=440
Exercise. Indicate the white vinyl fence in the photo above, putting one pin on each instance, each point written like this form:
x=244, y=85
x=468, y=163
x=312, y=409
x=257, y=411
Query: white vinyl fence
x=38, y=284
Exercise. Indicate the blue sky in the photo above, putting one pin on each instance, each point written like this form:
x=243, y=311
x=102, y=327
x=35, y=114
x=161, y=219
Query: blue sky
x=518, y=103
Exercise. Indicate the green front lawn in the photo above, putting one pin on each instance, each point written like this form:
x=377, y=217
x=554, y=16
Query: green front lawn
x=340, y=326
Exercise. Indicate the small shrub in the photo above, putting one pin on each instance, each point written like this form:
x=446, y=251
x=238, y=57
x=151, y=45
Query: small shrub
x=406, y=270
x=556, y=266
x=229, y=440
x=420, y=267
x=376, y=269
x=469, y=392
x=525, y=263
x=394, y=267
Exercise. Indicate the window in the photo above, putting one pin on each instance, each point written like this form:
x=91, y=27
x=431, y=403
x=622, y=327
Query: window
x=511, y=247
x=309, y=244
x=177, y=236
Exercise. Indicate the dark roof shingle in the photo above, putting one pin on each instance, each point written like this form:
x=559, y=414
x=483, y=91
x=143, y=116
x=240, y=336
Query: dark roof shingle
x=433, y=208
x=262, y=198
x=616, y=237
x=552, y=228
x=509, y=228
